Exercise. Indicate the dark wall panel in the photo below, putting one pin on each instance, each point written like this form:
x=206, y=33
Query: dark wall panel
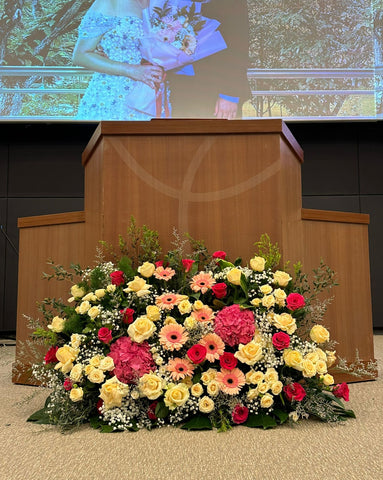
x=340, y=203
x=24, y=207
x=3, y=214
x=373, y=205
x=3, y=169
x=371, y=162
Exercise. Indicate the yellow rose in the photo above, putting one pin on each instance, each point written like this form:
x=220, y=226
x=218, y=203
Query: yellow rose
x=100, y=293
x=96, y=376
x=267, y=400
x=141, y=329
x=184, y=307
x=280, y=296
x=57, y=324
x=66, y=356
x=112, y=393
x=234, y=276
x=321, y=367
x=263, y=387
x=187, y=381
x=107, y=364
x=266, y=289
x=77, y=292
x=321, y=354
x=95, y=361
x=252, y=394
x=268, y=301
x=313, y=356
x=111, y=288
x=206, y=405
x=249, y=353
x=139, y=286
x=281, y=278
x=328, y=379
x=213, y=388
x=83, y=307
x=90, y=297
x=294, y=416
x=285, y=322
x=319, y=334
x=75, y=340
x=276, y=387
x=150, y=386
x=196, y=390
x=88, y=368
x=254, y=377
x=153, y=313
x=330, y=358
x=176, y=396
x=190, y=323
x=146, y=269
x=256, y=302
x=76, y=373
x=94, y=312
x=208, y=376
x=76, y=394
x=257, y=264
x=170, y=320
x=293, y=358
x=308, y=368
x=271, y=375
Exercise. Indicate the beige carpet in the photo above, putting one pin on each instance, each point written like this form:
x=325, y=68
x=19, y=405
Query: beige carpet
x=308, y=451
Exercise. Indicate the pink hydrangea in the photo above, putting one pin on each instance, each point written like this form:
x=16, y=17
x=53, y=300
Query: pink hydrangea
x=132, y=360
x=234, y=325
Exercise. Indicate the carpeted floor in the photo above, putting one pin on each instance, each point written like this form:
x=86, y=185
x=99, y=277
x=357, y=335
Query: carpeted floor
x=307, y=451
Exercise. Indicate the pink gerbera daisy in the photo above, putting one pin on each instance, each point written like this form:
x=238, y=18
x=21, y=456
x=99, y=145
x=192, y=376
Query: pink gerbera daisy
x=166, y=301
x=180, y=368
x=162, y=273
x=231, y=381
x=214, y=346
x=173, y=336
x=204, y=314
x=202, y=282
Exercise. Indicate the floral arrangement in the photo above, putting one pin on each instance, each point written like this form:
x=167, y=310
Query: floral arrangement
x=188, y=340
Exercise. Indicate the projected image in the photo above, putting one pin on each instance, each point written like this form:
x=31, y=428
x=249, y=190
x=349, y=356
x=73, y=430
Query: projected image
x=139, y=59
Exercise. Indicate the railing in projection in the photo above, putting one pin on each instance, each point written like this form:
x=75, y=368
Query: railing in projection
x=37, y=84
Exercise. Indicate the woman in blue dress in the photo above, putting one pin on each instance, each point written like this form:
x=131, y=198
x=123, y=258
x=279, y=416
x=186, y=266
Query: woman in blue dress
x=108, y=44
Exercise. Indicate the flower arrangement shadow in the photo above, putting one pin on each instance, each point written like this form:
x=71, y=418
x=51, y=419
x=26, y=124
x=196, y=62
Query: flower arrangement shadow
x=189, y=340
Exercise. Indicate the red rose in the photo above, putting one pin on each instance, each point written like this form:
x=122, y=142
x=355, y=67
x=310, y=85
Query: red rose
x=68, y=384
x=197, y=353
x=127, y=315
x=342, y=391
x=219, y=289
x=99, y=404
x=152, y=411
x=295, y=301
x=105, y=335
x=187, y=263
x=219, y=254
x=240, y=414
x=117, y=278
x=160, y=263
x=281, y=340
x=228, y=361
x=294, y=391
x=50, y=356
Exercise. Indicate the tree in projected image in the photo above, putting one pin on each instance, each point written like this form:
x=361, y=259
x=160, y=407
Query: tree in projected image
x=311, y=34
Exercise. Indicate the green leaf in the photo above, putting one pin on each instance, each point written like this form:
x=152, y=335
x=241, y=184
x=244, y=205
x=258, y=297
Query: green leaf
x=162, y=410
x=197, y=377
x=244, y=284
x=254, y=421
x=198, y=423
x=268, y=422
x=41, y=417
x=282, y=415
x=238, y=261
x=107, y=429
x=224, y=264
x=125, y=265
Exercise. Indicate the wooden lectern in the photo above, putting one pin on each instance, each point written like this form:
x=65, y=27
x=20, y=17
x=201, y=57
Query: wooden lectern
x=224, y=182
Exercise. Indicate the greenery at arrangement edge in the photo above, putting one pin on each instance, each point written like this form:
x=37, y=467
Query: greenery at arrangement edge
x=187, y=339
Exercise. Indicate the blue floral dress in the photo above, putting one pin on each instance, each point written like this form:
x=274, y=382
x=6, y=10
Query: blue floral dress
x=106, y=97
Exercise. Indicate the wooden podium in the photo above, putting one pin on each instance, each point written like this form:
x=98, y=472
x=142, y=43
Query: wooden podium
x=224, y=182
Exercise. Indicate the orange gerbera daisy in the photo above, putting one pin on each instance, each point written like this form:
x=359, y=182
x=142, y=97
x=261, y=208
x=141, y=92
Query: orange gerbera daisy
x=166, y=301
x=231, y=381
x=202, y=282
x=204, y=314
x=173, y=336
x=214, y=346
x=162, y=273
x=180, y=368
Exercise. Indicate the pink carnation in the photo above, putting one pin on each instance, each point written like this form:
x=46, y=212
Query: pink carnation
x=132, y=360
x=234, y=325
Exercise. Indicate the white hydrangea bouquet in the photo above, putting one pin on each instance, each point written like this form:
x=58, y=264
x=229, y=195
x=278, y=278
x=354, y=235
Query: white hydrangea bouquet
x=189, y=340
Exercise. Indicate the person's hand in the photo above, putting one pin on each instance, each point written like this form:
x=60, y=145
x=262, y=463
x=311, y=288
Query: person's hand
x=225, y=109
x=149, y=74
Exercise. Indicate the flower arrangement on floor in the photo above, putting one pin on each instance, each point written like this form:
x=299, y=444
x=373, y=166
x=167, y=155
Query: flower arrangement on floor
x=189, y=340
